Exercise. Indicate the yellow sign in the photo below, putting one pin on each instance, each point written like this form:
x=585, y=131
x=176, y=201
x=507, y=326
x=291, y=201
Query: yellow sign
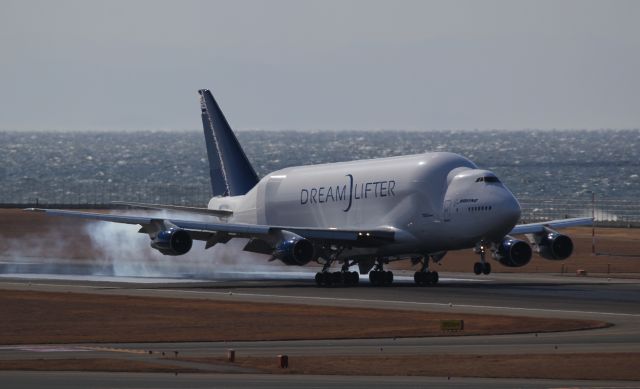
x=451, y=325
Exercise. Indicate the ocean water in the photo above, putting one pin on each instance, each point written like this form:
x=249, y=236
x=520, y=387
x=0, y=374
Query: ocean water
x=171, y=167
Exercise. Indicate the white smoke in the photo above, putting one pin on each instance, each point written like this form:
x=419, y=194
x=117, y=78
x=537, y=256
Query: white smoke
x=119, y=250
x=129, y=253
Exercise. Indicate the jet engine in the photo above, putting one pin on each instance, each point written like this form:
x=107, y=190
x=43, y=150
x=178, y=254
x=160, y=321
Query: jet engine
x=173, y=241
x=294, y=250
x=512, y=252
x=553, y=245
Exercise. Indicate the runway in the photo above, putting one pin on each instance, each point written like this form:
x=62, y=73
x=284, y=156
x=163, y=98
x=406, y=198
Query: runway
x=62, y=380
x=616, y=301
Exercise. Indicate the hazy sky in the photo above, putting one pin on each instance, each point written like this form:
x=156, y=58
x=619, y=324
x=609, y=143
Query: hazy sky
x=87, y=65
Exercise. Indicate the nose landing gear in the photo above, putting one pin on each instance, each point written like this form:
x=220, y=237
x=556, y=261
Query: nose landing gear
x=482, y=267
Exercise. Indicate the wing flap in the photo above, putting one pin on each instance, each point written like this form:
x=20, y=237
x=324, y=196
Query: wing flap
x=202, y=211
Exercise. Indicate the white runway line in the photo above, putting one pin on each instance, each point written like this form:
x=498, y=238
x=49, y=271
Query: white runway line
x=114, y=279
x=400, y=302
x=46, y=349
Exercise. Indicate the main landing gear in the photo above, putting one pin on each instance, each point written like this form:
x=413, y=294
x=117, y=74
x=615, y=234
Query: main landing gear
x=344, y=277
x=482, y=267
x=379, y=277
x=426, y=277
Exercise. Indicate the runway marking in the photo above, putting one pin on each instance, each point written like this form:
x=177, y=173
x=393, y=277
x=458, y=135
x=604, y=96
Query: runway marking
x=346, y=299
x=61, y=285
x=110, y=279
x=45, y=349
x=116, y=350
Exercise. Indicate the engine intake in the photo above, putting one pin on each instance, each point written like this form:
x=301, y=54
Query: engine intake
x=294, y=250
x=512, y=252
x=553, y=245
x=174, y=241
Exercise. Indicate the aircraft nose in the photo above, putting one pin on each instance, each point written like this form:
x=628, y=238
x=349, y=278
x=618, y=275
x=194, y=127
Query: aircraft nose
x=510, y=208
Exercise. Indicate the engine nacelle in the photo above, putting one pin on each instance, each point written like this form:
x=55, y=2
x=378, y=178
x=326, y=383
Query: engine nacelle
x=294, y=250
x=553, y=245
x=512, y=252
x=174, y=241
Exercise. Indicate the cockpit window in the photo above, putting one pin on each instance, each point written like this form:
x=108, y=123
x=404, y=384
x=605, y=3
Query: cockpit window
x=487, y=179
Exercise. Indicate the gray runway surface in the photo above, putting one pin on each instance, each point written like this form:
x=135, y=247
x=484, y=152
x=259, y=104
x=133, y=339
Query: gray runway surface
x=614, y=301
x=62, y=380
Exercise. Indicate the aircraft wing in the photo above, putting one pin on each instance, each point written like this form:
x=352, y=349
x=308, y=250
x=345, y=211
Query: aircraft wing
x=204, y=230
x=539, y=227
x=202, y=211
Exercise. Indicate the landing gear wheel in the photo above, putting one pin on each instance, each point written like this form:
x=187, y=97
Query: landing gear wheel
x=327, y=279
x=486, y=268
x=373, y=278
x=432, y=277
x=426, y=278
x=477, y=268
x=353, y=277
x=381, y=278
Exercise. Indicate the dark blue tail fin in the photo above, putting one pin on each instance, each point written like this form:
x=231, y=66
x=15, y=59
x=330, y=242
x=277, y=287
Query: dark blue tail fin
x=230, y=170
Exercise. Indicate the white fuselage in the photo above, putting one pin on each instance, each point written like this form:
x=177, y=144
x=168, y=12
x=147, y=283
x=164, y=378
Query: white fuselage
x=434, y=201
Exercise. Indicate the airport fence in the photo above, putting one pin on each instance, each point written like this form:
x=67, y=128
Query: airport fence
x=102, y=194
x=606, y=211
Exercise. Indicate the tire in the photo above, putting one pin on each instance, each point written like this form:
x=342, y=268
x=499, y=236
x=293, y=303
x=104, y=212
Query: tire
x=429, y=279
x=355, y=278
x=319, y=279
x=477, y=268
x=388, y=277
x=373, y=278
x=436, y=277
x=486, y=269
x=328, y=279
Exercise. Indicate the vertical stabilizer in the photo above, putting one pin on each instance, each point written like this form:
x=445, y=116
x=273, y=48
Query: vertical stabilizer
x=230, y=170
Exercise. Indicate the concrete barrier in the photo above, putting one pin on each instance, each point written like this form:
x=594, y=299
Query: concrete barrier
x=283, y=361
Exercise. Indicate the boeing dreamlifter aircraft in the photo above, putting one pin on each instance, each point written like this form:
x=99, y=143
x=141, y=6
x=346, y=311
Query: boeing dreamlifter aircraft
x=364, y=213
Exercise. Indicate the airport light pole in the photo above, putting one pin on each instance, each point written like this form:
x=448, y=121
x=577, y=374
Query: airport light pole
x=593, y=222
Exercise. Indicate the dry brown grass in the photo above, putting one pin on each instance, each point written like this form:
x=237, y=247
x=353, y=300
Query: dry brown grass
x=602, y=366
x=38, y=317
x=90, y=364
